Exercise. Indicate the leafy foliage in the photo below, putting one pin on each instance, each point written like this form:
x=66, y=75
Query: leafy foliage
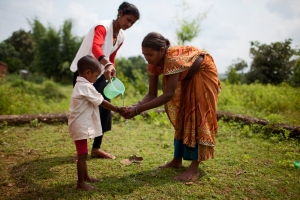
x=189, y=28
x=43, y=50
x=135, y=71
x=279, y=102
x=54, y=50
x=48, y=54
x=23, y=44
x=295, y=79
x=261, y=101
x=272, y=63
x=18, y=96
x=233, y=76
x=10, y=56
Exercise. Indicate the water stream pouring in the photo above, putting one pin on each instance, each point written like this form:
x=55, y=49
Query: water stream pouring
x=114, y=88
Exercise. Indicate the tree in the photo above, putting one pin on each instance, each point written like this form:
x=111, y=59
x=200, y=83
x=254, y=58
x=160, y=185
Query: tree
x=38, y=29
x=10, y=56
x=135, y=70
x=69, y=47
x=271, y=63
x=240, y=64
x=127, y=66
x=54, y=50
x=47, y=44
x=189, y=28
x=38, y=32
x=22, y=42
x=232, y=74
x=295, y=80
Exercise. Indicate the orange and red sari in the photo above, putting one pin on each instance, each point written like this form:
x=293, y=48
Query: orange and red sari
x=192, y=110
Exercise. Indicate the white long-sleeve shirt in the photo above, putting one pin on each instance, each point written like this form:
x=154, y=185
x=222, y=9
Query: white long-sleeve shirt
x=84, y=119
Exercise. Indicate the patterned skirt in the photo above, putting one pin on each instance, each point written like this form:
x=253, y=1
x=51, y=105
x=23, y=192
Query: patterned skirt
x=192, y=110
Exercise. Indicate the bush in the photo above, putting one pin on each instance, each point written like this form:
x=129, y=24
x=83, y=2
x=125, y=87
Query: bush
x=18, y=96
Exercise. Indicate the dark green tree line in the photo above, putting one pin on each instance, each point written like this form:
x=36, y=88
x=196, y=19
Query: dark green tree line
x=43, y=50
x=54, y=50
x=274, y=63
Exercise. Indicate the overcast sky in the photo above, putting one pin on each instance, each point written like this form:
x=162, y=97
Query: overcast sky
x=226, y=31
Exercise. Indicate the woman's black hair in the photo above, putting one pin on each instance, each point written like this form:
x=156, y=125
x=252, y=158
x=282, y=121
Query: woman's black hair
x=155, y=41
x=129, y=9
x=87, y=63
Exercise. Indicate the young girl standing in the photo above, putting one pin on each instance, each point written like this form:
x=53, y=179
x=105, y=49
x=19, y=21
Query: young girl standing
x=84, y=119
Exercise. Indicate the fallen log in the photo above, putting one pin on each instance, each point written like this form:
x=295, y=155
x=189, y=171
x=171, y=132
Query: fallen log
x=13, y=120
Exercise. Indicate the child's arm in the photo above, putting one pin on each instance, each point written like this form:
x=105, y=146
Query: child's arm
x=109, y=106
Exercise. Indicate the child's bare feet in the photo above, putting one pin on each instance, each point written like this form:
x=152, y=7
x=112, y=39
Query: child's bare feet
x=85, y=187
x=90, y=179
x=75, y=159
x=175, y=163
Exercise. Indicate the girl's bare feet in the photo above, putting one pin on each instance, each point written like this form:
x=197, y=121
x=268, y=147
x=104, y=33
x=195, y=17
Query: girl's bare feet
x=75, y=159
x=175, y=163
x=84, y=187
x=191, y=174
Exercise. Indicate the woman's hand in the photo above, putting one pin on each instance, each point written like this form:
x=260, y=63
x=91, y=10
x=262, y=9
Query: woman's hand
x=110, y=71
x=128, y=112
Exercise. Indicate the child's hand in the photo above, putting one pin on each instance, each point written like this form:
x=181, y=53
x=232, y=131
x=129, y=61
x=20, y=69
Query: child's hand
x=129, y=112
x=122, y=109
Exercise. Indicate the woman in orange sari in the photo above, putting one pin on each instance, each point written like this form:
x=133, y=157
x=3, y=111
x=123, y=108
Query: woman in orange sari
x=190, y=95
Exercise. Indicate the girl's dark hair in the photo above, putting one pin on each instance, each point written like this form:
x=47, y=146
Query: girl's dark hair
x=88, y=62
x=129, y=9
x=155, y=41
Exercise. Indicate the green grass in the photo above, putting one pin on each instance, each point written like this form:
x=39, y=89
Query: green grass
x=36, y=163
x=278, y=104
x=250, y=163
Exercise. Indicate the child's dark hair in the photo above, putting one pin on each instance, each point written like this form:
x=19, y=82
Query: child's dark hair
x=129, y=9
x=88, y=63
x=155, y=41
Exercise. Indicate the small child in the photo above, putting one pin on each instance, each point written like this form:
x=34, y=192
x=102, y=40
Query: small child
x=84, y=119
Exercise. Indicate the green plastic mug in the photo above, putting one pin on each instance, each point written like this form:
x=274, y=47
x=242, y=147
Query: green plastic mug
x=297, y=164
x=114, y=88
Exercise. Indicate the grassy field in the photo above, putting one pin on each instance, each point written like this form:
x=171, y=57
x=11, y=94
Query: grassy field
x=36, y=159
x=278, y=104
x=36, y=163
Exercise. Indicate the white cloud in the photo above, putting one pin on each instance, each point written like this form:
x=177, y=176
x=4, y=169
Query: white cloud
x=225, y=33
x=83, y=19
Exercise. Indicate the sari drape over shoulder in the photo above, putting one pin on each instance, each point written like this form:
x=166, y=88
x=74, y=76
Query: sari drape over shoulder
x=192, y=110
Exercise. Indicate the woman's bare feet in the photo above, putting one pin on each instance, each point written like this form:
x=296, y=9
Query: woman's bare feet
x=191, y=174
x=98, y=153
x=175, y=163
x=90, y=179
x=84, y=187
